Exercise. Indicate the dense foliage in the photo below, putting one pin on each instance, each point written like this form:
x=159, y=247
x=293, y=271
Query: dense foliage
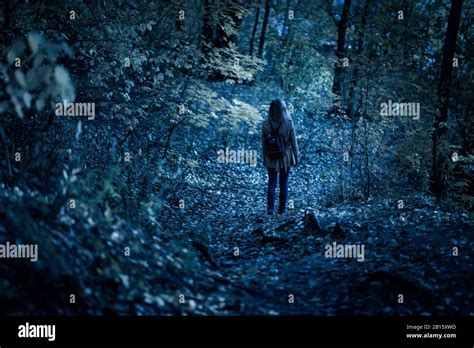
x=130, y=206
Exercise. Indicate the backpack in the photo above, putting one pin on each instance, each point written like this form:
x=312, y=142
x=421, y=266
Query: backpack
x=274, y=144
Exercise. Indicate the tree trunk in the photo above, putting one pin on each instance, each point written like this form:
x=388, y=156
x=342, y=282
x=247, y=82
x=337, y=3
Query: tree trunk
x=7, y=10
x=254, y=31
x=7, y=31
x=440, y=155
x=285, y=22
x=264, y=29
x=340, y=54
x=207, y=31
x=367, y=164
x=355, y=71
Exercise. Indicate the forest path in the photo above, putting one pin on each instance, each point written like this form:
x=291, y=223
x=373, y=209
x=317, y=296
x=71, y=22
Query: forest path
x=280, y=261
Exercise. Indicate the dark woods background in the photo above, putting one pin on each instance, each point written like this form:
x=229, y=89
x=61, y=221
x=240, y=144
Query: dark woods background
x=132, y=211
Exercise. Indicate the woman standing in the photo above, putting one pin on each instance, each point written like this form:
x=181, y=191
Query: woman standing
x=280, y=152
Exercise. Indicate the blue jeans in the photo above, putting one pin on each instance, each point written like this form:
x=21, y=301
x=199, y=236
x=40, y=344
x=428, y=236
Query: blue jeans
x=272, y=182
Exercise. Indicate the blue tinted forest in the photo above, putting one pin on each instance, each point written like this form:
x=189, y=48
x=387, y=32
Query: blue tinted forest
x=131, y=156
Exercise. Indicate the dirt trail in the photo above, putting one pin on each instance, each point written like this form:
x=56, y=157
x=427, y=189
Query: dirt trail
x=280, y=261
